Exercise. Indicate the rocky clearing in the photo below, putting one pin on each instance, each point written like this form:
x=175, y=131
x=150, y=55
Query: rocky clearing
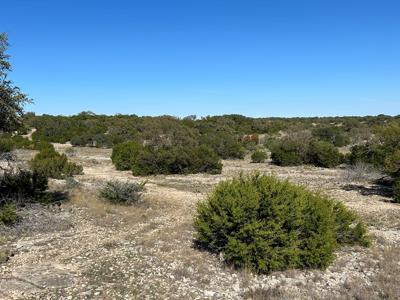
x=85, y=248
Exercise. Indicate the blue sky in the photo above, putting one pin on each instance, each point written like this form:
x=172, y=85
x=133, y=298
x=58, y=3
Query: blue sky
x=207, y=57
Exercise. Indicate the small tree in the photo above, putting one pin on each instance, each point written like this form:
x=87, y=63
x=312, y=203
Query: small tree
x=12, y=100
x=258, y=156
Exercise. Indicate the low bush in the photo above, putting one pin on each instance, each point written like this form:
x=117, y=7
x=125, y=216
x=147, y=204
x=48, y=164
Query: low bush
x=294, y=152
x=258, y=156
x=323, y=154
x=6, y=145
x=52, y=164
x=176, y=160
x=124, y=154
x=271, y=142
x=333, y=135
x=382, y=152
x=148, y=160
x=396, y=191
x=21, y=184
x=392, y=164
x=224, y=144
x=18, y=187
x=286, y=153
x=373, y=154
x=361, y=172
x=118, y=192
x=263, y=224
x=8, y=214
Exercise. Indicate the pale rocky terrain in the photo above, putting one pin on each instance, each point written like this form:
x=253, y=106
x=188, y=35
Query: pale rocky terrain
x=85, y=248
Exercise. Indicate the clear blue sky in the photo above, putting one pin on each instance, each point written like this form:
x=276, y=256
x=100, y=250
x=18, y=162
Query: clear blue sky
x=207, y=57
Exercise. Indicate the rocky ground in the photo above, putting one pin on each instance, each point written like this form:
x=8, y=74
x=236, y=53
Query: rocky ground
x=85, y=248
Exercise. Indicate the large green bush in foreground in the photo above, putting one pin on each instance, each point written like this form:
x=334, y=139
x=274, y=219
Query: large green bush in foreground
x=263, y=224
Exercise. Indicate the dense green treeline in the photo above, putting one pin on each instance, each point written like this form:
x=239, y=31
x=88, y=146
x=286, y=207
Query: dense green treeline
x=105, y=131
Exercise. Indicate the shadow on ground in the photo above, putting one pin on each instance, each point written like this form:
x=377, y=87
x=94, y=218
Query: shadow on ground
x=376, y=189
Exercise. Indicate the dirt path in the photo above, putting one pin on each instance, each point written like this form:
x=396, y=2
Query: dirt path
x=88, y=249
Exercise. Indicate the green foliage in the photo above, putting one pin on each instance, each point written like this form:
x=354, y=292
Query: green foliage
x=9, y=143
x=52, y=164
x=176, y=160
x=124, y=155
x=287, y=153
x=22, y=183
x=383, y=153
x=19, y=187
x=118, y=192
x=323, y=154
x=392, y=163
x=6, y=145
x=12, y=100
x=263, y=224
x=346, y=232
x=396, y=191
x=8, y=214
x=333, y=135
x=148, y=160
x=224, y=143
x=373, y=154
x=271, y=142
x=301, y=149
x=258, y=156
x=221, y=133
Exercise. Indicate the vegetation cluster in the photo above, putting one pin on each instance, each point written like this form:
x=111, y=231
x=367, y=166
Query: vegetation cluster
x=150, y=160
x=118, y=192
x=262, y=224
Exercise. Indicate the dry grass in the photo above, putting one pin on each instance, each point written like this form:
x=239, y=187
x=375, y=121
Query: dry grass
x=361, y=172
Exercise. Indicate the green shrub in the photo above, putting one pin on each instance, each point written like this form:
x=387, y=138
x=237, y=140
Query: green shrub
x=124, y=155
x=42, y=145
x=224, y=144
x=8, y=214
x=118, y=192
x=6, y=145
x=148, y=160
x=52, y=164
x=258, y=156
x=333, y=135
x=205, y=160
x=392, y=164
x=9, y=143
x=271, y=142
x=323, y=154
x=263, y=224
x=22, y=184
x=18, y=188
x=396, y=191
x=286, y=153
x=292, y=152
x=373, y=154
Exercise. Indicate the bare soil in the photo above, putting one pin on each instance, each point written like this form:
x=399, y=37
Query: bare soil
x=85, y=248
